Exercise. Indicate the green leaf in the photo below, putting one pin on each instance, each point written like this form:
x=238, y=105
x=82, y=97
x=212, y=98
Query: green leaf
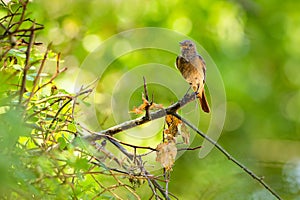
x=62, y=143
x=72, y=127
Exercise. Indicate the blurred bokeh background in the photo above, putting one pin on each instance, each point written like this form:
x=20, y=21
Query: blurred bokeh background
x=256, y=46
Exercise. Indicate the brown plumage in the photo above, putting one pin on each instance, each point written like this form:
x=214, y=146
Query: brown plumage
x=193, y=68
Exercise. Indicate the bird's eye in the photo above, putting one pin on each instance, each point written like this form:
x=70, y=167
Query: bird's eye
x=190, y=45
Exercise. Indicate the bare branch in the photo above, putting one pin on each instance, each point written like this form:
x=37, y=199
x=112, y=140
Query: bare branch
x=189, y=148
x=37, y=78
x=147, y=108
x=27, y=64
x=139, y=121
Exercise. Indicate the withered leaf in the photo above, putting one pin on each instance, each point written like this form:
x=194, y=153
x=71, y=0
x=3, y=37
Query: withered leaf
x=185, y=134
x=156, y=106
x=172, y=123
x=136, y=110
x=172, y=120
x=143, y=106
x=166, y=154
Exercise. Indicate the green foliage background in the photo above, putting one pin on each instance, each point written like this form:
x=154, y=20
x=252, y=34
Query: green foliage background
x=255, y=45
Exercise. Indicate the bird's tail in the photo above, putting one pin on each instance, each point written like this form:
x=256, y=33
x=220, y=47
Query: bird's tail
x=203, y=102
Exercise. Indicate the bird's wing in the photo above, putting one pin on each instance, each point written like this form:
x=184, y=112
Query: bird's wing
x=182, y=66
x=179, y=61
x=189, y=72
x=203, y=66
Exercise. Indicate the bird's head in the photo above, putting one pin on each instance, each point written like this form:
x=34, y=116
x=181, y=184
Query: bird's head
x=187, y=44
x=188, y=49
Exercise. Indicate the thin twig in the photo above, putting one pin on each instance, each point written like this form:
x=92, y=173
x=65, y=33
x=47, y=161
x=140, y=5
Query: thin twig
x=147, y=108
x=57, y=72
x=21, y=20
x=41, y=110
x=52, y=78
x=130, y=145
x=57, y=113
x=167, y=179
x=27, y=64
x=230, y=157
x=37, y=77
x=189, y=148
x=145, y=89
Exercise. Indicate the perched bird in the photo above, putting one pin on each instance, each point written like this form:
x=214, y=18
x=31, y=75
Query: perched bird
x=193, y=68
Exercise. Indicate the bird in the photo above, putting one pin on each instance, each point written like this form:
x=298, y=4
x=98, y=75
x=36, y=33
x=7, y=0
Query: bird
x=193, y=69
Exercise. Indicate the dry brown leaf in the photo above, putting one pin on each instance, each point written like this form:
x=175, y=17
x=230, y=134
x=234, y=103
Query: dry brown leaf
x=185, y=134
x=172, y=123
x=156, y=106
x=142, y=107
x=166, y=154
x=136, y=110
x=172, y=120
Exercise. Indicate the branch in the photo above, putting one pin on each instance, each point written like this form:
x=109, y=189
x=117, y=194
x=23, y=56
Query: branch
x=27, y=63
x=57, y=72
x=189, y=148
x=220, y=148
x=147, y=108
x=126, y=144
x=37, y=78
x=142, y=120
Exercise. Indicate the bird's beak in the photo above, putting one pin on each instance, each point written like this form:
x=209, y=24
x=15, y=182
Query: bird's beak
x=183, y=45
